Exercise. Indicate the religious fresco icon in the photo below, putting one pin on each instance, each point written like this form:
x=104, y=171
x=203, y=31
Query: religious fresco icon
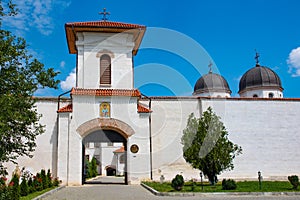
x=105, y=109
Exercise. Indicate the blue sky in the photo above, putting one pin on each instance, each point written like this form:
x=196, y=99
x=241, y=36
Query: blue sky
x=223, y=32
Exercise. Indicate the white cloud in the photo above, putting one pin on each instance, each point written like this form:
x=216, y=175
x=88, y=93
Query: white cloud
x=294, y=62
x=62, y=64
x=69, y=82
x=37, y=14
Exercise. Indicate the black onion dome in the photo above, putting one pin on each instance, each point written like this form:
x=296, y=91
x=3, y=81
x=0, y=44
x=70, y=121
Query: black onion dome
x=260, y=77
x=211, y=82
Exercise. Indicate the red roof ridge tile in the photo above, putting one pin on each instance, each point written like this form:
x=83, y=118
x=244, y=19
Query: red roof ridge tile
x=67, y=108
x=120, y=150
x=105, y=24
x=142, y=109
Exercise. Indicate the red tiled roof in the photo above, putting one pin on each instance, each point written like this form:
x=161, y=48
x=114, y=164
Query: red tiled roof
x=104, y=24
x=106, y=92
x=143, y=109
x=121, y=150
x=67, y=108
x=105, y=27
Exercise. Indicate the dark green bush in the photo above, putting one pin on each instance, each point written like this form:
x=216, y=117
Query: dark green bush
x=14, y=183
x=49, y=178
x=24, y=187
x=5, y=192
x=44, y=178
x=38, y=182
x=92, y=168
x=55, y=182
x=294, y=180
x=30, y=184
x=228, y=184
x=177, y=182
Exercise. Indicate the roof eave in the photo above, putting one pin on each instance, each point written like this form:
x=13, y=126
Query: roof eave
x=71, y=31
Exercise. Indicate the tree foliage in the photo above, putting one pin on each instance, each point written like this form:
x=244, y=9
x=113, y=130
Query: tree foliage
x=20, y=77
x=206, y=145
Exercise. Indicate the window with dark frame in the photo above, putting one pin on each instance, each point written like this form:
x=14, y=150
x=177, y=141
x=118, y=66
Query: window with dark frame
x=105, y=70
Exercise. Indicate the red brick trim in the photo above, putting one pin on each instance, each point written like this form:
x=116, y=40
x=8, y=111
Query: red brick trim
x=106, y=92
x=105, y=124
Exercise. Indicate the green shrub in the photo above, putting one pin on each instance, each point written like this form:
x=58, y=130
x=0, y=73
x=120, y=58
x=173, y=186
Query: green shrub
x=30, y=184
x=177, y=182
x=294, y=180
x=55, y=182
x=38, y=182
x=228, y=184
x=44, y=178
x=92, y=168
x=15, y=187
x=49, y=178
x=5, y=192
x=24, y=187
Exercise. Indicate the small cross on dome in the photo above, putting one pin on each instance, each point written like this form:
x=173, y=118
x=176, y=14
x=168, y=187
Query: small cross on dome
x=104, y=13
x=210, y=66
x=256, y=57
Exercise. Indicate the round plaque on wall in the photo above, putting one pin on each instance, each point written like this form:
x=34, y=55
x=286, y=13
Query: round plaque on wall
x=134, y=148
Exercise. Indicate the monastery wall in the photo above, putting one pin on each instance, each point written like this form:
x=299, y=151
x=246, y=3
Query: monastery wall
x=268, y=131
x=168, y=119
x=45, y=154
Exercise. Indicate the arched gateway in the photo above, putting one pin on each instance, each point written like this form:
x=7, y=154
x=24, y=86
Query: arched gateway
x=104, y=131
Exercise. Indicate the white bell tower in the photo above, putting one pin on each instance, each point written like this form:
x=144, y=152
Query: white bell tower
x=104, y=52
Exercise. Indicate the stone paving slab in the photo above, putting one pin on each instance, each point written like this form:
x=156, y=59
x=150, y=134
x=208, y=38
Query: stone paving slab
x=136, y=192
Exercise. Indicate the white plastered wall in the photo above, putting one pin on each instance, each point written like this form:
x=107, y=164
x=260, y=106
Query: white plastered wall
x=262, y=93
x=118, y=46
x=86, y=108
x=267, y=130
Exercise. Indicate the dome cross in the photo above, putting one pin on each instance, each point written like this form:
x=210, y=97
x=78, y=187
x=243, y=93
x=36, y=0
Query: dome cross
x=210, y=67
x=256, y=57
x=104, y=13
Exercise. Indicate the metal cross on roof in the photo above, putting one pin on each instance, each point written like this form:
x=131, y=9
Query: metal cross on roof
x=256, y=57
x=210, y=66
x=104, y=13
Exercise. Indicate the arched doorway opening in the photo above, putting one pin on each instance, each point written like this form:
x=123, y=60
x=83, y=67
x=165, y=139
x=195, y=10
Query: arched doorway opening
x=105, y=131
x=101, y=157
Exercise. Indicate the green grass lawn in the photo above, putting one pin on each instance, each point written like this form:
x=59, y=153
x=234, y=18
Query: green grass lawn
x=245, y=186
x=36, y=194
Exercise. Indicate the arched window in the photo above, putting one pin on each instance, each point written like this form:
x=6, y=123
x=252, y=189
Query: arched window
x=105, y=70
x=255, y=95
x=271, y=95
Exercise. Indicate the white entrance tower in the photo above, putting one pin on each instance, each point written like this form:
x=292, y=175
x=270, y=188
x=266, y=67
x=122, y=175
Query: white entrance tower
x=105, y=105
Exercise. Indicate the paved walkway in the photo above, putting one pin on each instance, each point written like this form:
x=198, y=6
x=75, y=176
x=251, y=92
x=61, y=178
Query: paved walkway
x=136, y=192
x=106, y=180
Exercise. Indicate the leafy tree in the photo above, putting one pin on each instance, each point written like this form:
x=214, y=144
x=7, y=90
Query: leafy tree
x=20, y=77
x=206, y=145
